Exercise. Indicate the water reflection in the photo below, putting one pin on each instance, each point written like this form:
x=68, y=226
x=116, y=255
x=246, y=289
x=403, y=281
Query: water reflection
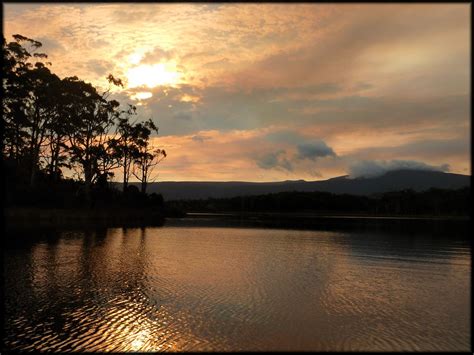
x=184, y=288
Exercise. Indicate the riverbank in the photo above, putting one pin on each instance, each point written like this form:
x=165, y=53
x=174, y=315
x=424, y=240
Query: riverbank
x=318, y=221
x=128, y=217
x=100, y=217
x=321, y=215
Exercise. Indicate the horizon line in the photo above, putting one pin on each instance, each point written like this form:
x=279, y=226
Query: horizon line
x=289, y=180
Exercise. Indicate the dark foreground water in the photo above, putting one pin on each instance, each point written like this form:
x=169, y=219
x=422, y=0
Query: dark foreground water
x=194, y=288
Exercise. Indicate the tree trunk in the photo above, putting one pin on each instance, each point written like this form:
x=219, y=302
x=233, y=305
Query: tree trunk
x=54, y=162
x=34, y=167
x=33, y=150
x=88, y=182
x=125, y=179
x=144, y=182
x=33, y=175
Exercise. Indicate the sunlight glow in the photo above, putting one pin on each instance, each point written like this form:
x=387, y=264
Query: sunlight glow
x=189, y=98
x=142, y=95
x=135, y=58
x=153, y=75
x=139, y=342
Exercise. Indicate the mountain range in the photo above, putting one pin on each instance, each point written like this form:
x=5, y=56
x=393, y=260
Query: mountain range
x=418, y=180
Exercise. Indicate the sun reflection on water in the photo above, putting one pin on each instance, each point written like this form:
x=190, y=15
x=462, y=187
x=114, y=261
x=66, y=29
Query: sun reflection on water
x=138, y=327
x=140, y=340
x=216, y=289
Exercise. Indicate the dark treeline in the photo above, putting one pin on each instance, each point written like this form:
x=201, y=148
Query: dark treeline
x=63, y=138
x=433, y=202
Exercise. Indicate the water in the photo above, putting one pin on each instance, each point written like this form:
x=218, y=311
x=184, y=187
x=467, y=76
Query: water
x=187, y=288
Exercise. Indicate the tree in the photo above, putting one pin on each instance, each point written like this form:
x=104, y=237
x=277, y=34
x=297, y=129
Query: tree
x=58, y=155
x=92, y=117
x=126, y=145
x=29, y=105
x=148, y=156
x=27, y=102
x=51, y=123
x=41, y=111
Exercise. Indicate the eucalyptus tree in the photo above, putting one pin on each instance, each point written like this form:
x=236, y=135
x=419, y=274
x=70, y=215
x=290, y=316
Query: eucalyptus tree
x=53, y=123
x=125, y=145
x=92, y=118
x=41, y=112
x=147, y=156
x=28, y=105
x=57, y=155
x=20, y=80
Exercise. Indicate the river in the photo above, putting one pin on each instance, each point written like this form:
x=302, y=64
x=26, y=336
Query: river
x=204, y=287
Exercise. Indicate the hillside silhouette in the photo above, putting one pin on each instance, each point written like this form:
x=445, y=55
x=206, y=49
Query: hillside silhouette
x=416, y=180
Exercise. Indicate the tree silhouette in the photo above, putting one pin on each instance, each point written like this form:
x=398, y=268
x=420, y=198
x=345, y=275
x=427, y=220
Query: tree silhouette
x=147, y=156
x=125, y=145
x=50, y=124
x=27, y=106
x=92, y=117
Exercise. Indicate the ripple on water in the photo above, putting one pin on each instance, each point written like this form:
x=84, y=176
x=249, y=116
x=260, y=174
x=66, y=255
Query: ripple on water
x=224, y=289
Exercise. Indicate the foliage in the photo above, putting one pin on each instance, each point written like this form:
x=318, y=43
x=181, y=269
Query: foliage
x=52, y=124
x=433, y=202
x=146, y=157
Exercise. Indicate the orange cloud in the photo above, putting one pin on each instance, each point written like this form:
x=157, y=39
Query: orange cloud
x=372, y=81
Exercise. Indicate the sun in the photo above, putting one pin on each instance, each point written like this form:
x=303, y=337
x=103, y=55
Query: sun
x=142, y=95
x=151, y=75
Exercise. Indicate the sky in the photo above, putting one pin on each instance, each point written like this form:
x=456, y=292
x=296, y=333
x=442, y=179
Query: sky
x=271, y=92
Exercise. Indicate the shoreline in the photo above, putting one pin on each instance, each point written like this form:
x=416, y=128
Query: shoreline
x=320, y=221
x=80, y=217
x=30, y=217
x=320, y=215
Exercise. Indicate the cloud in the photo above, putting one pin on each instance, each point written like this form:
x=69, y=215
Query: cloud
x=132, y=16
x=200, y=138
x=430, y=149
x=182, y=116
x=314, y=150
x=220, y=63
x=286, y=136
x=157, y=55
x=274, y=160
x=303, y=151
x=49, y=45
x=361, y=80
x=225, y=109
x=372, y=168
x=394, y=45
x=99, y=67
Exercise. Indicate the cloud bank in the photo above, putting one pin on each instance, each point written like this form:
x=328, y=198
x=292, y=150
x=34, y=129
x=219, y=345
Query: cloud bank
x=274, y=161
x=314, y=150
x=375, y=168
x=380, y=83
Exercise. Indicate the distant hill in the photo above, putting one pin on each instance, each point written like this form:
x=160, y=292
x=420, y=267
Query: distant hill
x=417, y=180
